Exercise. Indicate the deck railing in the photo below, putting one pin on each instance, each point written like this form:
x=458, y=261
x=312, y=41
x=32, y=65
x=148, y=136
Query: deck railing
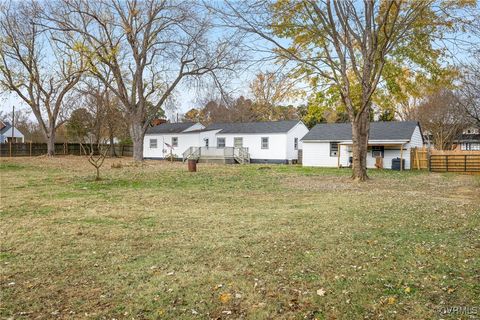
x=239, y=154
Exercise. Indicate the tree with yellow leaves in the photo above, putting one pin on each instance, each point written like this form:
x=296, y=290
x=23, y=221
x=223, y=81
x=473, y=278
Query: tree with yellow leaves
x=350, y=44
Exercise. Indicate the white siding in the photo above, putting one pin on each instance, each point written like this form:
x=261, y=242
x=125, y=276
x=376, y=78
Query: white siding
x=211, y=136
x=389, y=154
x=299, y=131
x=185, y=141
x=8, y=134
x=317, y=154
x=345, y=154
x=415, y=141
x=280, y=145
x=277, y=144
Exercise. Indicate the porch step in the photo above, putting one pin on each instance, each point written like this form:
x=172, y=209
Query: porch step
x=216, y=160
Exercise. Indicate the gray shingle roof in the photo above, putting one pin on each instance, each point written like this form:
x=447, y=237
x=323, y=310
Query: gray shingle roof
x=170, y=127
x=388, y=130
x=471, y=137
x=254, y=127
x=5, y=128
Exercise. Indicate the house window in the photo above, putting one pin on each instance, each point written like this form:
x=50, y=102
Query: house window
x=153, y=143
x=295, y=143
x=220, y=142
x=377, y=151
x=238, y=142
x=470, y=146
x=174, y=142
x=333, y=149
x=264, y=142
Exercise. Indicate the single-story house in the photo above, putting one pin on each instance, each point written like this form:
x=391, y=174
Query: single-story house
x=256, y=142
x=330, y=144
x=7, y=132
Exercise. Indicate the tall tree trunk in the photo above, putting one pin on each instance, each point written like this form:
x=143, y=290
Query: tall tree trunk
x=50, y=136
x=360, y=131
x=112, y=146
x=137, y=133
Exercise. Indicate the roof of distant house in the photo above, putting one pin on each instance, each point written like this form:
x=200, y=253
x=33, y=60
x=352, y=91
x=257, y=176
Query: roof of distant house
x=170, y=127
x=6, y=127
x=382, y=130
x=254, y=127
x=468, y=137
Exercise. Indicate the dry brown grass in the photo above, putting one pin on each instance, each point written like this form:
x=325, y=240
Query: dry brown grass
x=155, y=241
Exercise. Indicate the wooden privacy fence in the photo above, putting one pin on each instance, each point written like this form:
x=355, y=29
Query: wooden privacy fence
x=455, y=163
x=445, y=160
x=29, y=149
x=419, y=158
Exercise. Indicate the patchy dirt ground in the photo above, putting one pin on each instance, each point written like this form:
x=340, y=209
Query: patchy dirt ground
x=229, y=242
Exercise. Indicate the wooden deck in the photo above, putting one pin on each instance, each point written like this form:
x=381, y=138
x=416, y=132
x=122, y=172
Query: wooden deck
x=229, y=155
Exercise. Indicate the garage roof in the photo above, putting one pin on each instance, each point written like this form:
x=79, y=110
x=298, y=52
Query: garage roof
x=382, y=130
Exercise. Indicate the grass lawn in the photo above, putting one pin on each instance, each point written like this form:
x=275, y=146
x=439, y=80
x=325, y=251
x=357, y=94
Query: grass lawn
x=230, y=242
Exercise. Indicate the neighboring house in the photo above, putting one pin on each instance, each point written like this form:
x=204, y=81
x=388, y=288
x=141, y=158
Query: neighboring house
x=256, y=142
x=469, y=140
x=6, y=131
x=330, y=144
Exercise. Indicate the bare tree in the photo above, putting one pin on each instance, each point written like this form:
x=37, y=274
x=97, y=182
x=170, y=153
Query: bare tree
x=35, y=66
x=269, y=90
x=149, y=47
x=442, y=119
x=108, y=120
x=468, y=92
x=346, y=44
x=96, y=154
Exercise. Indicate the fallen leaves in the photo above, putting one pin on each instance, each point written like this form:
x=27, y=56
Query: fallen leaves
x=321, y=292
x=225, y=298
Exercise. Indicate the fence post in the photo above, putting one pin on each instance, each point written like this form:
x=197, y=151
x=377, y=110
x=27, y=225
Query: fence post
x=429, y=154
x=446, y=161
x=10, y=148
x=30, y=148
x=465, y=164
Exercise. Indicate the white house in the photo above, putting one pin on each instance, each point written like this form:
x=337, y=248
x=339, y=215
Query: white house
x=7, y=131
x=330, y=144
x=171, y=138
x=469, y=140
x=258, y=142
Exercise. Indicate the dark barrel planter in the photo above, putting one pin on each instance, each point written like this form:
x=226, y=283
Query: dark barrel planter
x=192, y=165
